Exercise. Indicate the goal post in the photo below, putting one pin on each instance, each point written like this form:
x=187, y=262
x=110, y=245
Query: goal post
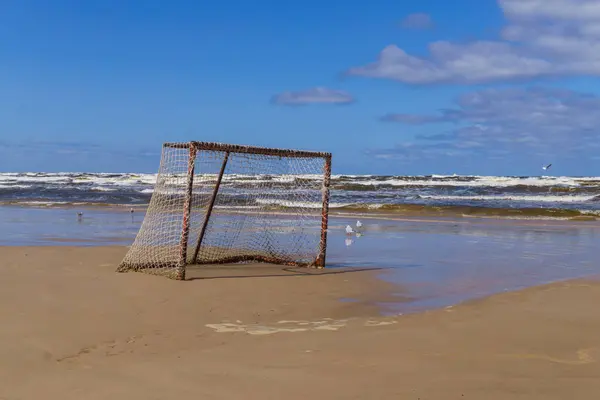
x=216, y=203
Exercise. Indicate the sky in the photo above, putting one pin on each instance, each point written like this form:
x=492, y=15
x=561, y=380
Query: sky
x=485, y=87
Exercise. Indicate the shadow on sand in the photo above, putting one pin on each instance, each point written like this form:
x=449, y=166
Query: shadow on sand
x=256, y=270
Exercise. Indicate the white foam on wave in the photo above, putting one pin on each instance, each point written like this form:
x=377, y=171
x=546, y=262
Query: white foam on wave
x=4, y=186
x=79, y=178
x=42, y=203
x=545, y=199
x=139, y=179
x=298, y=204
x=6, y=178
x=481, y=181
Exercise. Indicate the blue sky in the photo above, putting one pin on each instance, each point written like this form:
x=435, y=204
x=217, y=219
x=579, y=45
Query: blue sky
x=390, y=87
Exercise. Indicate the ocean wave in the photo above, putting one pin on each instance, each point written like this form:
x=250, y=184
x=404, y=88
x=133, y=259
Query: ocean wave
x=14, y=187
x=374, y=210
x=297, y=204
x=365, y=193
x=63, y=204
x=98, y=179
x=482, y=181
x=103, y=189
x=470, y=211
x=135, y=179
x=516, y=198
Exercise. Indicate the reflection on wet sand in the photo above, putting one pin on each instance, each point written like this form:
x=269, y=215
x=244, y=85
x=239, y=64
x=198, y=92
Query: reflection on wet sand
x=442, y=263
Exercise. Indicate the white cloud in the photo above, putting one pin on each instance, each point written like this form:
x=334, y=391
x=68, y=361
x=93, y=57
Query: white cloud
x=569, y=10
x=541, y=38
x=417, y=21
x=312, y=96
x=508, y=122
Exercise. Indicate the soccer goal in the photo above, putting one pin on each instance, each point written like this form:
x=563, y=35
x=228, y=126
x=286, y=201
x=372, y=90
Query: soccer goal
x=217, y=203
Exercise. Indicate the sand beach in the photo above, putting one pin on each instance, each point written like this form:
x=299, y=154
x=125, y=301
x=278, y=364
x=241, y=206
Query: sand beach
x=74, y=329
x=452, y=309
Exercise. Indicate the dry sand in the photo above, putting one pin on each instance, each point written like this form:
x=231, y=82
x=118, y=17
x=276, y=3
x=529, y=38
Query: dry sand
x=71, y=328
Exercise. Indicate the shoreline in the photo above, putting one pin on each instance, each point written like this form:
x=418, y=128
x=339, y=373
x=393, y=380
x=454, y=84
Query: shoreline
x=405, y=212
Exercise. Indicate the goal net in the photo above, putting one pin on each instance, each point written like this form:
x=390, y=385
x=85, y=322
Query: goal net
x=216, y=203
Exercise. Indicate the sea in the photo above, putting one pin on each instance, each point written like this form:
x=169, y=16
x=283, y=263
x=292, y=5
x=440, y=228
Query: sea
x=529, y=197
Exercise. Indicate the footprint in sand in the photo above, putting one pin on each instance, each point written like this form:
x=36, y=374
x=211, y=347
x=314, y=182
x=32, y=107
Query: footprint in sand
x=583, y=356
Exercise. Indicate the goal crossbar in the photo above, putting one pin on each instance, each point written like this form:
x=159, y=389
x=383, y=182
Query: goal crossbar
x=236, y=148
x=178, y=203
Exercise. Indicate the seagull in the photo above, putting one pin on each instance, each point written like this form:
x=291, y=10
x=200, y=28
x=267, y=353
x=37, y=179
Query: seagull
x=349, y=230
x=131, y=211
x=545, y=167
x=359, y=228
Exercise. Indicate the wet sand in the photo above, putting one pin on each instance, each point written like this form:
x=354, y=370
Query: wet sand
x=473, y=257
x=72, y=328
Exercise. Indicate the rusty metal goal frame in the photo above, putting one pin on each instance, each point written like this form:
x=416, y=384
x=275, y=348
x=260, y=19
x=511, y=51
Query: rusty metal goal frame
x=228, y=149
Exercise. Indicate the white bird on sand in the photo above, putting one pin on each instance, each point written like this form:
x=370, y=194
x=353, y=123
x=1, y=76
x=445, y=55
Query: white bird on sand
x=358, y=224
x=349, y=230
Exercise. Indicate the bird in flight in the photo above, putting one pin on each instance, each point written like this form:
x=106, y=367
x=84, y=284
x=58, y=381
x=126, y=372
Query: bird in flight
x=545, y=167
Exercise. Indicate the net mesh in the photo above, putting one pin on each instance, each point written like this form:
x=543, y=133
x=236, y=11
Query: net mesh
x=263, y=207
